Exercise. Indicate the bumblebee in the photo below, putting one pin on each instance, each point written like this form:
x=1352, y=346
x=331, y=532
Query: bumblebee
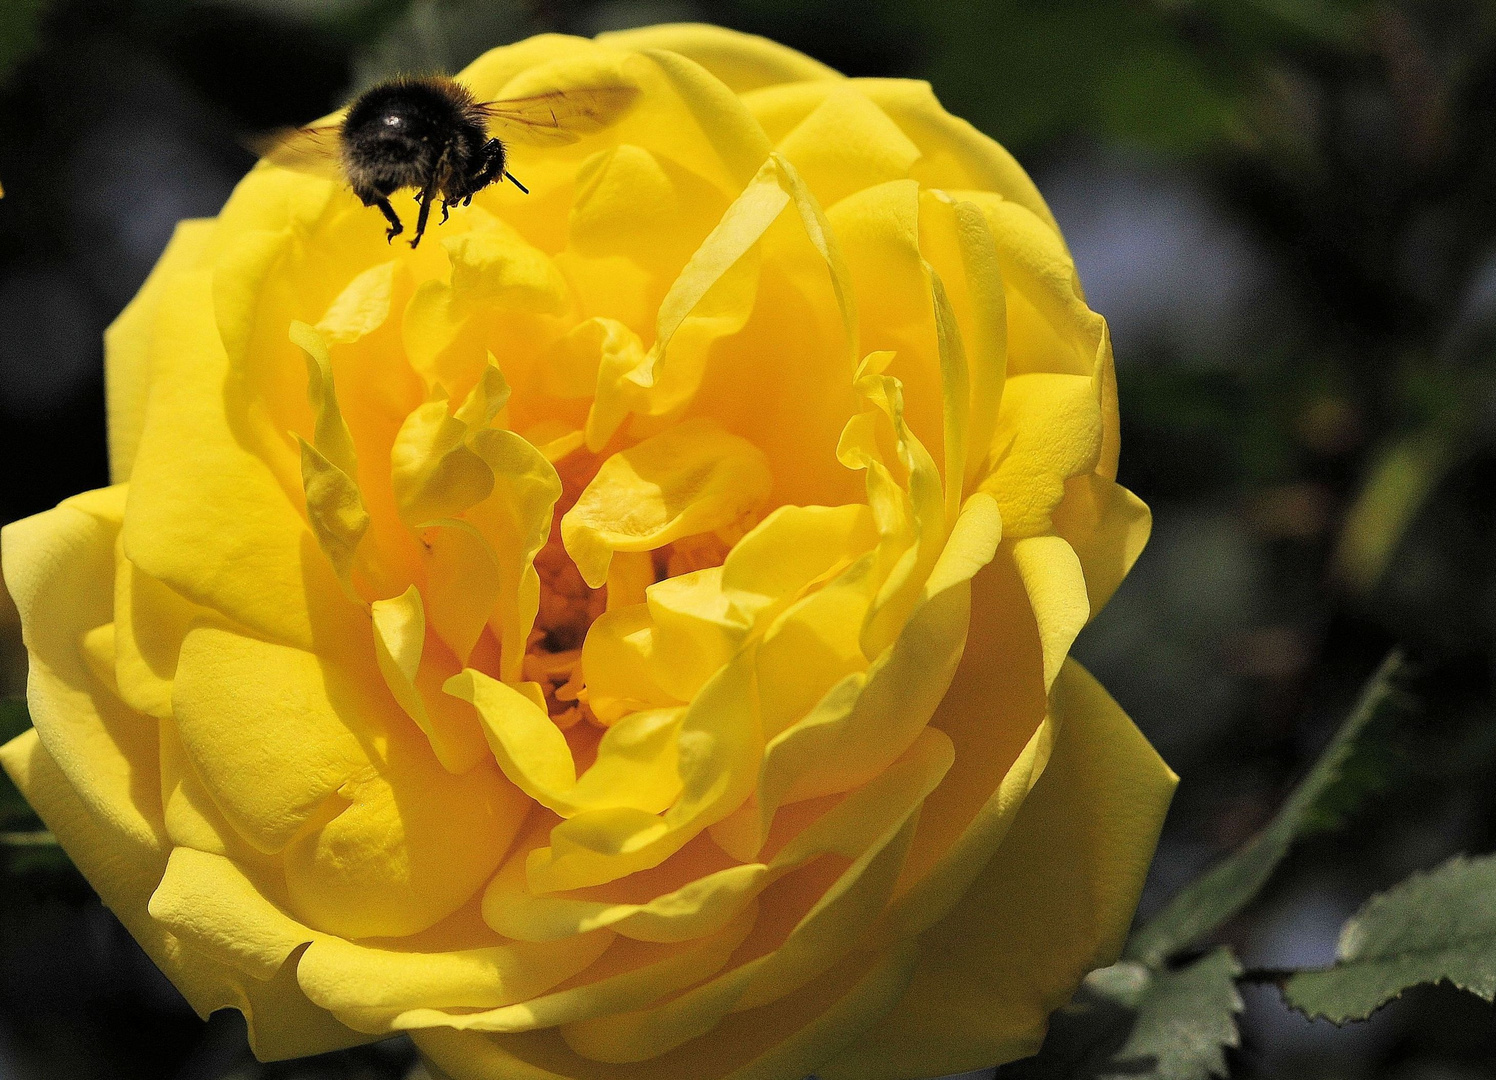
x=431, y=134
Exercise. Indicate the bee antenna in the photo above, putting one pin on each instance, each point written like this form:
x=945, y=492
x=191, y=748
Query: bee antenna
x=510, y=177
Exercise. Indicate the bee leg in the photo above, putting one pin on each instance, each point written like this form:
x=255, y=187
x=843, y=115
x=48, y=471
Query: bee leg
x=425, y=200
x=388, y=211
x=446, y=210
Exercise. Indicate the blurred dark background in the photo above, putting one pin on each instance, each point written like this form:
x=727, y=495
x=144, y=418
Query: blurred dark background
x=1284, y=208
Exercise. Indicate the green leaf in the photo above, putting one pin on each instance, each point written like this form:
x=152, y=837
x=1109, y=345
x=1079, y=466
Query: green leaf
x=1337, y=25
x=1130, y=1020
x=1433, y=927
x=1321, y=800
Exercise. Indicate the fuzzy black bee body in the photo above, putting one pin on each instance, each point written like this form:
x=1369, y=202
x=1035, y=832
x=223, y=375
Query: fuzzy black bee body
x=427, y=134
x=432, y=134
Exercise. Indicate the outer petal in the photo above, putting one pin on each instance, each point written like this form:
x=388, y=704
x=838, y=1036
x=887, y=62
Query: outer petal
x=1054, y=903
x=105, y=804
x=683, y=113
x=413, y=846
x=1107, y=525
x=995, y=713
x=282, y=1022
x=786, y=1039
x=1056, y=586
x=212, y=903
x=271, y=734
x=59, y=566
x=628, y=974
x=954, y=154
x=1049, y=429
x=207, y=516
x=127, y=368
x=150, y=622
x=743, y=61
x=845, y=144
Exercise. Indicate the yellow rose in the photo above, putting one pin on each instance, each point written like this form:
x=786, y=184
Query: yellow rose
x=626, y=636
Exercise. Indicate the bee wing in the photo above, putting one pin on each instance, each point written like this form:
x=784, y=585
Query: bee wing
x=313, y=150
x=558, y=117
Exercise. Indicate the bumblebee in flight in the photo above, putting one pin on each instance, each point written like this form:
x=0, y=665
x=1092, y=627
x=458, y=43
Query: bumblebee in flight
x=431, y=134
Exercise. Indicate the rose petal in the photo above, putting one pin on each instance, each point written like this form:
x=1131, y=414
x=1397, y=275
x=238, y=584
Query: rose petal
x=690, y=479
x=1054, y=903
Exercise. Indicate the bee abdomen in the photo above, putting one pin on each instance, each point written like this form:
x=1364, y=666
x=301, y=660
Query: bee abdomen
x=397, y=134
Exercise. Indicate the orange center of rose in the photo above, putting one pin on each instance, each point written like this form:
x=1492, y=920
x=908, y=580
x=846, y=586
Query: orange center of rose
x=568, y=605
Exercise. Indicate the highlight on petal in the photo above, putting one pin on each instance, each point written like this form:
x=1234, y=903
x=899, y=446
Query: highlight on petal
x=376, y=989
x=409, y=844
x=911, y=520
x=1056, y=586
x=329, y=465
x=710, y=298
x=866, y=720
x=363, y=306
x=847, y=143
x=495, y=266
x=627, y=974
x=433, y=471
x=692, y=478
x=414, y=675
x=742, y=61
x=335, y=511
x=980, y=301
x=269, y=732
x=618, y=659
x=791, y=548
x=464, y=583
x=515, y=521
x=955, y=384
x=1031, y=462
x=530, y=749
x=634, y=767
x=818, y=940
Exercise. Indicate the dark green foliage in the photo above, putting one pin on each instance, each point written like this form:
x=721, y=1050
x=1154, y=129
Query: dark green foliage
x=1343, y=774
x=1123, y=71
x=1135, y=1021
x=1433, y=927
x=19, y=32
